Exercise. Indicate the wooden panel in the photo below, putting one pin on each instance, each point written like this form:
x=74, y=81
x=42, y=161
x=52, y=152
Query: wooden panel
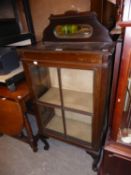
x=122, y=165
x=97, y=6
x=117, y=148
x=40, y=54
x=109, y=16
x=11, y=118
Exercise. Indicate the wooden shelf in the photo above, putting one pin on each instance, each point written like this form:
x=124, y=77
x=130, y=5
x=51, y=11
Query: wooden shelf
x=76, y=129
x=82, y=101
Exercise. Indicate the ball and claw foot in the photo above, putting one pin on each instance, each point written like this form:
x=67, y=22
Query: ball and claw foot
x=43, y=139
x=96, y=159
x=46, y=147
x=95, y=165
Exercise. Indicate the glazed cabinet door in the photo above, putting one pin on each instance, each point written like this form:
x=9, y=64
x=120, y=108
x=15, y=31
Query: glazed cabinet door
x=77, y=101
x=65, y=101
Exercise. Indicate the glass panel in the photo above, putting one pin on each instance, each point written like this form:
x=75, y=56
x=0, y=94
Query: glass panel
x=124, y=135
x=51, y=118
x=71, y=31
x=79, y=126
x=45, y=84
x=56, y=123
x=46, y=88
x=77, y=89
x=78, y=102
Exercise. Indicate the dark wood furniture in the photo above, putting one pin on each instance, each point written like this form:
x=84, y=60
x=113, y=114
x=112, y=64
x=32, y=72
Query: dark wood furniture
x=117, y=150
x=13, y=110
x=70, y=82
x=117, y=160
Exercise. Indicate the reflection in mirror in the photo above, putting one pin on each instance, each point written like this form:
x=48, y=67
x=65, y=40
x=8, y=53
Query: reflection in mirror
x=70, y=31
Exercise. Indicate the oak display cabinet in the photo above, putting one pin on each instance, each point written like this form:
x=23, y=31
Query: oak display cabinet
x=71, y=92
x=69, y=74
x=65, y=101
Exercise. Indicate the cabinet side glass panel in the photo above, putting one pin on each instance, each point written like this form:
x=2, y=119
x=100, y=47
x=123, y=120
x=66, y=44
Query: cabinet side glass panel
x=124, y=135
x=45, y=84
x=47, y=92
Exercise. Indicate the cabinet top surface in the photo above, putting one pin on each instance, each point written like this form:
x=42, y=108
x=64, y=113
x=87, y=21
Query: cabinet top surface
x=92, y=47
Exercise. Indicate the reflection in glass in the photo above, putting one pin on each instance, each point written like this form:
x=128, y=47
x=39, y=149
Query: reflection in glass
x=45, y=84
x=51, y=118
x=56, y=122
x=124, y=135
x=40, y=79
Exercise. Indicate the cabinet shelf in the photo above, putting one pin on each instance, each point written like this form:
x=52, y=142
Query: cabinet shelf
x=75, y=128
x=81, y=101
